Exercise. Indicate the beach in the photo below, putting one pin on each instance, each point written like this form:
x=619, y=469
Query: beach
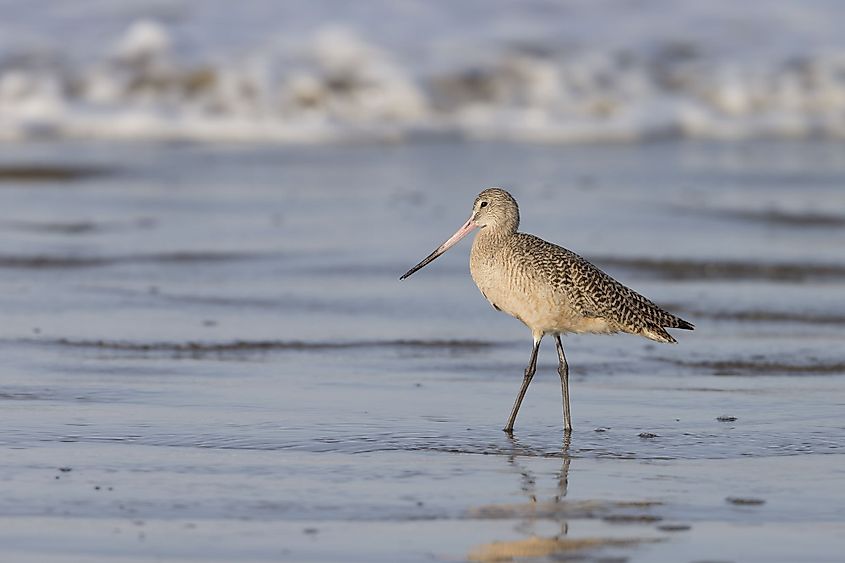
x=208, y=355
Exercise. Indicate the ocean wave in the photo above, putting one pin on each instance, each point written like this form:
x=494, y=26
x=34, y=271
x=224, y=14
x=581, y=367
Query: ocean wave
x=340, y=87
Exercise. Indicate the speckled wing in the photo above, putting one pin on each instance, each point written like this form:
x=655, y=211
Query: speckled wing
x=593, y=293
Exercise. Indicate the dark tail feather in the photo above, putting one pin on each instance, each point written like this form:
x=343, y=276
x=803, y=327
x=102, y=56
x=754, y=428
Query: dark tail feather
x=683, y=324
x=658, y=333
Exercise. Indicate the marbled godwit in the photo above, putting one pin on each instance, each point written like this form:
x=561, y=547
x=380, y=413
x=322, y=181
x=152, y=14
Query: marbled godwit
x=549, y=288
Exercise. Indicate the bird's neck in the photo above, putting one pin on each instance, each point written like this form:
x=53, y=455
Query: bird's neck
x=489, y=239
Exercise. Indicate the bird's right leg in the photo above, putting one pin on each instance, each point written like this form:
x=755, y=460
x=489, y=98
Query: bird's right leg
x=526, y=381
x=563, y=370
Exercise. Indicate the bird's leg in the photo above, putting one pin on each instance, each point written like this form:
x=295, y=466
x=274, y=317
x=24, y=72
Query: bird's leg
x=526, y=381
x=563, y=370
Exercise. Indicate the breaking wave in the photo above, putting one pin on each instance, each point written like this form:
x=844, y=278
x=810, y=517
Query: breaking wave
x=338, y=86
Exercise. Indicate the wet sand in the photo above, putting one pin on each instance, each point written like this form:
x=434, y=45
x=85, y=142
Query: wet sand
x=207, y=355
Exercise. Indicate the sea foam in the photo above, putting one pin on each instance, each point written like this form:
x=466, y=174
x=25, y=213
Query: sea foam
x=337, y=85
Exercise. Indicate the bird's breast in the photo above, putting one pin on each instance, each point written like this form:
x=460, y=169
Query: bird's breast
x=500, y=280
x=489, y=281
x=511, y=284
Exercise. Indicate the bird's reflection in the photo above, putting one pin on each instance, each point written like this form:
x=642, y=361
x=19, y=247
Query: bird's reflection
x=539, y=508
x=533, y=518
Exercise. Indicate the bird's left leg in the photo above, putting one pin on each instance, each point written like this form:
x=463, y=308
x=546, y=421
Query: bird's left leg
x=526, y=381
x=563, y=370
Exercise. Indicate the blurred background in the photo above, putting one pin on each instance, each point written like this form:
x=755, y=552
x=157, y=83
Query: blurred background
x=324, y=71
x=205, y=207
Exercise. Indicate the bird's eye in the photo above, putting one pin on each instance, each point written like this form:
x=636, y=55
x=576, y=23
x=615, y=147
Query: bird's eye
x=483, y=204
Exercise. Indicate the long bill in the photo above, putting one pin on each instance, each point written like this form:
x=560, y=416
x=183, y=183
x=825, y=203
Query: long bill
x=461, y=233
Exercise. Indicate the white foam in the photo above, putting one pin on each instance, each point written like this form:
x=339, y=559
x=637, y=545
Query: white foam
x=143, y=41
x=335, y=84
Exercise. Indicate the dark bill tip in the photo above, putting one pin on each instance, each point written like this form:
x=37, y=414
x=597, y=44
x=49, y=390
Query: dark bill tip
x=425, y=261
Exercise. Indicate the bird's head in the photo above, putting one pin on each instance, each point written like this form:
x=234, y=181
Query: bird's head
x=494, y=209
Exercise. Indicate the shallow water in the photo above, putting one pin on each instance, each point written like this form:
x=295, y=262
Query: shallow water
x=207, y=354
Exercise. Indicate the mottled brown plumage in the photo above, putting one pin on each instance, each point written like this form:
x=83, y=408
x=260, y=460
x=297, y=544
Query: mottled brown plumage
x=549, y=288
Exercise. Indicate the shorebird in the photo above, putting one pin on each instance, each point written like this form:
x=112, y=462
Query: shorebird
x=550, y=289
